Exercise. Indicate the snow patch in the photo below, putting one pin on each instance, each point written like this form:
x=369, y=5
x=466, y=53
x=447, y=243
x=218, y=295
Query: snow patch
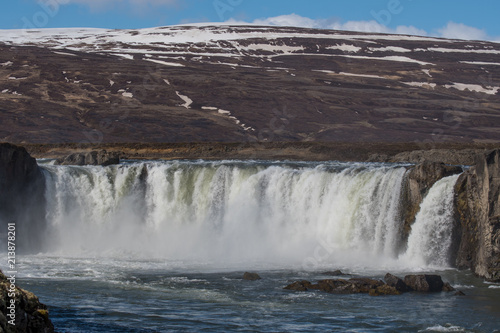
x=421, y=84
x=166, y=81
x=111, y=83
x=187, y=101
x=362, y=75
x=166, y=63
x=5, y=64
x=65, y=53
x=345, y=48
x=473, y=87
x=127, y=94
x=481, y=63
x=390, y=49
x=126, y=56
x=209, y=108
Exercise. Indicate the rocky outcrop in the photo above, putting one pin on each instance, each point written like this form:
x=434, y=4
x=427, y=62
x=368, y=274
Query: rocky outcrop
x=477, y=205
x=395, y=282
x=419, y=180
x=393, y=285
x=96, y=157
x=251, y=276
x=22, y=308
x=425, y=283
x=22, y=195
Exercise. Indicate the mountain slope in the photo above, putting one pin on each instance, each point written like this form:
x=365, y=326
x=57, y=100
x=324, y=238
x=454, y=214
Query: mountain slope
x=245, y=83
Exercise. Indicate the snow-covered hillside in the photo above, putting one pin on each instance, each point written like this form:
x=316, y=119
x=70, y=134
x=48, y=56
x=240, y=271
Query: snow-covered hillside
x=236, y=77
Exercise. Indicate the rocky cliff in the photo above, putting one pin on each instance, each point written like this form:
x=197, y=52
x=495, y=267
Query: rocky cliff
x=477, y=206
x=22, y=195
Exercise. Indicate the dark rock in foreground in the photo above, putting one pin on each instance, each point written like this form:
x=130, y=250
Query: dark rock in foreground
x=28, y=313
x=251, y=276
x=100, y=157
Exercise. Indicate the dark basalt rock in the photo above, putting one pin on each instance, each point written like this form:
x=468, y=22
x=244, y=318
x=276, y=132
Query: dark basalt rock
x=394, y=285
x=251, y=276
x=425, y=283
x=299, y=286
x=99, y=157
x=334, y=273
x=30, y=315
x=477, y=208
x=384, y=290
x=395, y=282
x=22, y=195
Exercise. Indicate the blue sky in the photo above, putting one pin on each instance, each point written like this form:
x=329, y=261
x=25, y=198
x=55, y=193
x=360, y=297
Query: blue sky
x=448, y=18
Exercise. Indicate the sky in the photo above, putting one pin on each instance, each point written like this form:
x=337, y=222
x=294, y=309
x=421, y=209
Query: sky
x=463, y=19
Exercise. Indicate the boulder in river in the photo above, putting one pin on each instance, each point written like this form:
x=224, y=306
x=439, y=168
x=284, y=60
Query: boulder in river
x=251, y=276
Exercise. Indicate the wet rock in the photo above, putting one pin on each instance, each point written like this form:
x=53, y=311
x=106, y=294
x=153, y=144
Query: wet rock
x=459, y=293
x=424, y=283
x=477, y=207
x=384, y=290
x=251, y=276
x=333, y=273
x=30, y=315
x=447, y=287
x=96, y=157
x=397, y=283
x=418, y=182
x=299, y=286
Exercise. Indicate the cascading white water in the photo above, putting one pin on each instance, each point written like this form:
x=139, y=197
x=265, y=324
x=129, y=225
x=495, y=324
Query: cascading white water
x=431, y=236
x=228, y=212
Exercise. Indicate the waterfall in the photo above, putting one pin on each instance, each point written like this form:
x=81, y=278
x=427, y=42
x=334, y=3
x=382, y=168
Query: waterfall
x=431, y=235
x=306, y=214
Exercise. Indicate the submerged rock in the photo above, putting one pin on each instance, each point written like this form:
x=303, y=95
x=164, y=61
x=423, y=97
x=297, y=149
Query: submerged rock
x=96, y=157
x=337, y=272
x=29, y=314
x=299, y=286
x=251, y=276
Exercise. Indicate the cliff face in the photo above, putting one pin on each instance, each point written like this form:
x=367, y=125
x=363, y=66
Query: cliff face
x=22, y=200
x=477, y=206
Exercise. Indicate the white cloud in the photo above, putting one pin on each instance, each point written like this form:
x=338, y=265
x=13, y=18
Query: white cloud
x=462, y=31
x=451, y=30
